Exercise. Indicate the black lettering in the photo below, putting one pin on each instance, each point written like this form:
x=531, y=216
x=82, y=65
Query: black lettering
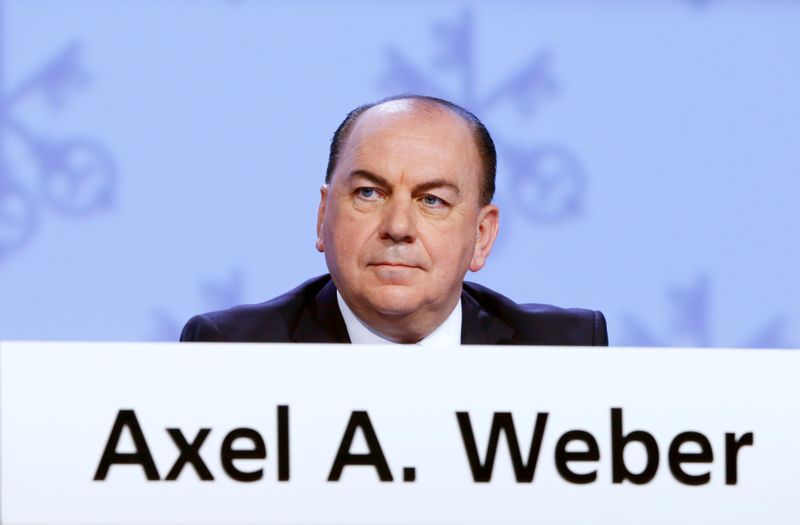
x=676, y=457
x=502, y=421
x=189, y=453
x=142, y=456
x=732, y=446
x=619, y=471
x=592, y=453
x=228, y=454
x=283, y=443
x=375, y=457
x=409, y=474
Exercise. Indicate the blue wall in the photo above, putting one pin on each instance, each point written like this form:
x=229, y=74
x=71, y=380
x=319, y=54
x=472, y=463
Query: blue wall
x=162, y=158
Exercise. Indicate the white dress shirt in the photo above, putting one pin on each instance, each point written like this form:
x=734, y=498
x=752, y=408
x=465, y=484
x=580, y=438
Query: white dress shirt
x=447, y=333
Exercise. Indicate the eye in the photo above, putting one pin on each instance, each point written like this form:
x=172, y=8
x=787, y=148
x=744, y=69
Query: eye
x=367, y=193
x=432, y=201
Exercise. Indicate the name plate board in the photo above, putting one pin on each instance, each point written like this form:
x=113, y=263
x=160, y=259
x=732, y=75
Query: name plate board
x=118, y=433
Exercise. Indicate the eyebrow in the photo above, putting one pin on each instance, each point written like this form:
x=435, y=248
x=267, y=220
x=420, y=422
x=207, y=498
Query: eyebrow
x=375, y=179
x=425, y=186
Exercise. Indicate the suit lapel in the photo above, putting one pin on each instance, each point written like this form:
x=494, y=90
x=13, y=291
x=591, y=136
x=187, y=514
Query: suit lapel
x=321, y=321
x=480, y=327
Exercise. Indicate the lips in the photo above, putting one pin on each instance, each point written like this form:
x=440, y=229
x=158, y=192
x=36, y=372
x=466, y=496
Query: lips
x=393, y=264
x=394, y=273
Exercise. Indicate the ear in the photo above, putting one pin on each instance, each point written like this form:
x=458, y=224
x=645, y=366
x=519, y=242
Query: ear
x=488, y=226
x=323, y=202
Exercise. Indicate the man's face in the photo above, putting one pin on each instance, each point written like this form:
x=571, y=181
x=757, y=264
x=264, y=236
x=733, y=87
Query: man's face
x=401, y=222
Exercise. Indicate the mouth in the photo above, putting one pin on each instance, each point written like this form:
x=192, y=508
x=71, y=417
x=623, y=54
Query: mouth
x=393, y=264
x=394, y=272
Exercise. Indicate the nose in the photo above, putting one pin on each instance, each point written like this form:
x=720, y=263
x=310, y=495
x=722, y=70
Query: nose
x=398, y=223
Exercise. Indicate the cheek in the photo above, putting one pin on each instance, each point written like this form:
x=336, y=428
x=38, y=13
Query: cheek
x=450, y=247
x=349, y=236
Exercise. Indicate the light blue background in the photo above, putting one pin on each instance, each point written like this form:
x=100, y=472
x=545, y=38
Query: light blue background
x=163, y=158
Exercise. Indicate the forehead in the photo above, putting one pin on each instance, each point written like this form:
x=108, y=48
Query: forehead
x=414, y=139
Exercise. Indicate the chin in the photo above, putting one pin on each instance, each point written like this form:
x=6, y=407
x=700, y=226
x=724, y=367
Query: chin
x=396, y=300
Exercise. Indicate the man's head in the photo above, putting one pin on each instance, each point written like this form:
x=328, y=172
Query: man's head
x=406, y=211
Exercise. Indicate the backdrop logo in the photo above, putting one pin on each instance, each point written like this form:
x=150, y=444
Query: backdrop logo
x=547, y=183
x=690, y=308
x=71, y=176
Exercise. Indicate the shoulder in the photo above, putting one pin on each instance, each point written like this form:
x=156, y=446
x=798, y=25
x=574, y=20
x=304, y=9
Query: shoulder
x=270, y=321
x=542, y=324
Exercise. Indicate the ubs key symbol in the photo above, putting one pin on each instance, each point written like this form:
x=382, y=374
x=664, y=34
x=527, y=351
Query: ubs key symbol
x=548, y=183
x=73, y=176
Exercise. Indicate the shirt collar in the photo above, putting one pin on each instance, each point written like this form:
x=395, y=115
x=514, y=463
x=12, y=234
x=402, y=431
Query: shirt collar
x=447, y=333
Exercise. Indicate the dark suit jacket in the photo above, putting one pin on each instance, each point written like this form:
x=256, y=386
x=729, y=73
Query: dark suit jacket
x=310, y=314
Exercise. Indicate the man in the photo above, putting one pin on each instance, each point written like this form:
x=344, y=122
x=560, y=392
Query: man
x=404, y=212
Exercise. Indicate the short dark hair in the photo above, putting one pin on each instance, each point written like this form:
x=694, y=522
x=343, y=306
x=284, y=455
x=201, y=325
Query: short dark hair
x=482, y=138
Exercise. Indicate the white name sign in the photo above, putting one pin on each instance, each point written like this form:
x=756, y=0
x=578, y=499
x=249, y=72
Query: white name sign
x=110, y=433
